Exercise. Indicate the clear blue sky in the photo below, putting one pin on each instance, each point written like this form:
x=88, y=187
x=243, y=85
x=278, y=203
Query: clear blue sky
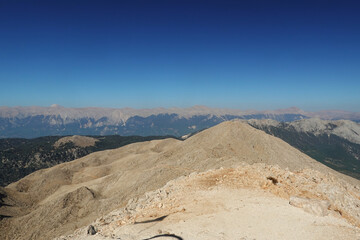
x=237, y=54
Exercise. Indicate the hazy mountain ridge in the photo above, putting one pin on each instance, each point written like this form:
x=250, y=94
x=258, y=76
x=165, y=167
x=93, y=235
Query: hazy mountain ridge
x=161, y=124
x=121, y=115
x=333, y=143
x=343, y=128
x=35, y=121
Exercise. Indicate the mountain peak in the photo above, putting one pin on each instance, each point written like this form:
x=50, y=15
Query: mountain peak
x=56, y=106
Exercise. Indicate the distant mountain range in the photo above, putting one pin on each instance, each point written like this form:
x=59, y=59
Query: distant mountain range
x=30, y=122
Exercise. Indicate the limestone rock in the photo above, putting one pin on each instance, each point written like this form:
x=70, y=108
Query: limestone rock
x=316, y=207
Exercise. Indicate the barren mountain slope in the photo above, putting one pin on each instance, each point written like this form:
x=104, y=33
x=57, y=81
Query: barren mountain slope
x=58, y=200
x=80, y=141
x=248, y=202
x=343, y=128
x=333, y=143
x=20, y=157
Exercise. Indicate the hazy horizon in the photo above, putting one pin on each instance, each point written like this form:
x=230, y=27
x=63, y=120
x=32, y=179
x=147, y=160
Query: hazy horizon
x=261, y=55
x=185, y=107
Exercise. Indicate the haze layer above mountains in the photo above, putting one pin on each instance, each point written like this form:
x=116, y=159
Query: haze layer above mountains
x=30, y=122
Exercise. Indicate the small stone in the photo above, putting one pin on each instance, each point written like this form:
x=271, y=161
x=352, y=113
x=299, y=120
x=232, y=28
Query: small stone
x=91, y=230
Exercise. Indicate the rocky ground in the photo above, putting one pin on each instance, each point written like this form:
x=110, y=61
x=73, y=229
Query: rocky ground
x=249, y=202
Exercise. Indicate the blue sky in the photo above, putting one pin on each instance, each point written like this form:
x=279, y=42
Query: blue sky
x=236, y=54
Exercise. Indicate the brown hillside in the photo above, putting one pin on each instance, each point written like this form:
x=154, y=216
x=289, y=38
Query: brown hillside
x=58, y=200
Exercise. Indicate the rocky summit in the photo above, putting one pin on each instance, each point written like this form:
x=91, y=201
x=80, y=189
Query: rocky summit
x=227, y=182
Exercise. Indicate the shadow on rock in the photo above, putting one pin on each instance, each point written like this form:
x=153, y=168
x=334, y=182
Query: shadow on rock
x=165, y=235
x=153, y=220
